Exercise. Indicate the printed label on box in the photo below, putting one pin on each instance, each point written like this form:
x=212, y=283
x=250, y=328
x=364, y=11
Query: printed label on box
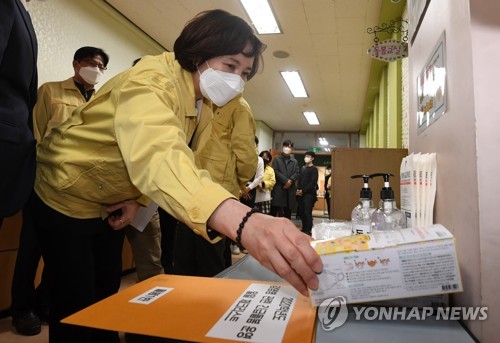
x=401, y=271
x=260, y=314
x=151, y=295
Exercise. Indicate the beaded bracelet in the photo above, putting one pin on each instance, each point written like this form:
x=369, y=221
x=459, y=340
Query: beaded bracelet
x=242, y=225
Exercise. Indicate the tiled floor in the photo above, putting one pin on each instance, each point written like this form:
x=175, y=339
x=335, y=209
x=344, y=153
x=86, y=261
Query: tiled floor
x=8, y=334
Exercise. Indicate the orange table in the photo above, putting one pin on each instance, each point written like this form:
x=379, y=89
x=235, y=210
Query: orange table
x=187, y=311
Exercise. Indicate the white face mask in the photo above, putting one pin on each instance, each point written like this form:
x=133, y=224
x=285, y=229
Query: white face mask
x=307, y=159
x=91, y=75
x=328, y=172
x=287, y=150
x=220, y=87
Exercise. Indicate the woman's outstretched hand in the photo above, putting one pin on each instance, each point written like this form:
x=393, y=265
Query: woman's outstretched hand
x=275, y=242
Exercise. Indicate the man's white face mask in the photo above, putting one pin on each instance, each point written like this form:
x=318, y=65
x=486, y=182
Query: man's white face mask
x=91, y=75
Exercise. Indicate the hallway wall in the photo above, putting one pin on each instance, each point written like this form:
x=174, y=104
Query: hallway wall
x=63, y=26
x=465, y=143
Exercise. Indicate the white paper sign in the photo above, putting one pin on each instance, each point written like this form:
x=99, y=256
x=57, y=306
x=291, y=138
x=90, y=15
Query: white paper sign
x=260, y=314
x=151, y=295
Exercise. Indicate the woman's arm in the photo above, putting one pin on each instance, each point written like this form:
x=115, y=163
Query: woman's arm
x=274, y=242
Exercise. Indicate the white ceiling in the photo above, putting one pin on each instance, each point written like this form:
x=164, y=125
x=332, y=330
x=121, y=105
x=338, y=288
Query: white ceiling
x=327, y=43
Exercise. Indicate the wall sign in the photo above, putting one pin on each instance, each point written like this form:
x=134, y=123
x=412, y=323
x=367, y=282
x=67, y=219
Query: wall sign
x=431, y=87
x=389, y=50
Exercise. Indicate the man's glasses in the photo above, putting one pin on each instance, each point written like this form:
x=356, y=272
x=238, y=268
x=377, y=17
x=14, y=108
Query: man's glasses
x=94, y=64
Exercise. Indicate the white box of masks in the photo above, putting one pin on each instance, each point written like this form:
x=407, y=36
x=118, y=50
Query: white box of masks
x=388, y=265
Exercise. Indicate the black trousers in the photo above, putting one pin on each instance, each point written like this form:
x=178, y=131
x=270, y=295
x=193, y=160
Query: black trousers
x=83, y=261
x=306, y=207
x=23, y=293
x=328, y=206
x=278, y=211
x=195, y=256
x=168, y=226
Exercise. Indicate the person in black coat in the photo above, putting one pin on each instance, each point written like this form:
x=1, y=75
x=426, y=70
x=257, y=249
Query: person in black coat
x=286, y=169
x=18, y=84
x=328, y=174
x=307, y=186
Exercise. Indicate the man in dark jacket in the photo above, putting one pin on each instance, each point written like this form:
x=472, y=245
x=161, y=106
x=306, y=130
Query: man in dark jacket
x=18, y=82
x=307, y=186
x=286, y=169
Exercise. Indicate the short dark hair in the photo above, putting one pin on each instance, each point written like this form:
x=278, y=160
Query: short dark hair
x=216, y=33
x=310, y=153
x=256, y=140
x=288, y=143
x=89, y=52
x=328, y=166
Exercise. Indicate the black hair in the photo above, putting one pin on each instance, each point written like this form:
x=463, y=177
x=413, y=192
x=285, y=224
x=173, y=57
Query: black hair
x=310, y=153
x=328, y=166
x=216, y=33
x=90, y=52
x=288, y=143
x=267, y=154
x=256, y=140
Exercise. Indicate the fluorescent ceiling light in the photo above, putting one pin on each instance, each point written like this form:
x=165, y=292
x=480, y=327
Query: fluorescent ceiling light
x=261, y=16
x=311, y=118
x=294, y=82
x=322, y=141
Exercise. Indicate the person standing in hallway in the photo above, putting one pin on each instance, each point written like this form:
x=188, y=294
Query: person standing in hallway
x=248, y=193
x=223, y=147
x=286, y=169
x=328, y=175
x=263, y=196
x=307, y=186
x=56, y=102
x=18, y=85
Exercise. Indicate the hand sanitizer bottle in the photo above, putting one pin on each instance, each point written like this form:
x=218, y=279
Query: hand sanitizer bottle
x=361, y=215
x=387, y=216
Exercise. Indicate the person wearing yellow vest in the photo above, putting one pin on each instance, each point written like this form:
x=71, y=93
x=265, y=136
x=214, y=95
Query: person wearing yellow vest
x=130, y=145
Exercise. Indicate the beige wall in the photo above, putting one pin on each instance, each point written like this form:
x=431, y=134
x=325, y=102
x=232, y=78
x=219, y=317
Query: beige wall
x=265, y=134
x=466, y=144
x=63, y=26
x=485, y=33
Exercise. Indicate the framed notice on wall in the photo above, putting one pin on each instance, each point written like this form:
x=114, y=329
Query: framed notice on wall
x=416, y=13
x=431, y=87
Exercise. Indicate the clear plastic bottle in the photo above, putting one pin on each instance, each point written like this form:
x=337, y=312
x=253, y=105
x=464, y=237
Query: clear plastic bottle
x=361, y=215
x=387, y=217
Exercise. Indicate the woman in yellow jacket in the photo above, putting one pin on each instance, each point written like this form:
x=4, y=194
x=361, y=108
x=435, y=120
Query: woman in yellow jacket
x=129, y=144
x=224, y=146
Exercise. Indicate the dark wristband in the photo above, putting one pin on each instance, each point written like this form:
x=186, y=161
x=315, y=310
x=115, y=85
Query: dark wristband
x=242, y=225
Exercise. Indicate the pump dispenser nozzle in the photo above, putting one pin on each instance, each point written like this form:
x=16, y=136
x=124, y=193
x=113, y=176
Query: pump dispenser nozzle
x=386, y=192
x=388, y=216
x=361, y=215
x=365, y=192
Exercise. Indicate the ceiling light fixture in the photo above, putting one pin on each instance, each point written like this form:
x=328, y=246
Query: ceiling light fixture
x=261, y=15
x=294, y=83
x=311, y=118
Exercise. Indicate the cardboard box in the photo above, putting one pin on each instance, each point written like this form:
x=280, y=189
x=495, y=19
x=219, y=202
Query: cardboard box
x=202, y=309
x=388, y=265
